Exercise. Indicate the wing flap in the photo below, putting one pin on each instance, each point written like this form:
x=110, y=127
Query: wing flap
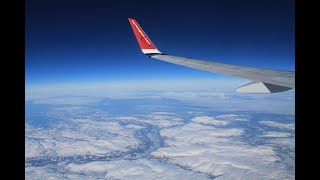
x=261, y=88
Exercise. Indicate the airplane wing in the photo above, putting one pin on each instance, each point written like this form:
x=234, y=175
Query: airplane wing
x=263, y=80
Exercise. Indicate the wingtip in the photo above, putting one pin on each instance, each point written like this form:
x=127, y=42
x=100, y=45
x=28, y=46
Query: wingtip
x=144, y=41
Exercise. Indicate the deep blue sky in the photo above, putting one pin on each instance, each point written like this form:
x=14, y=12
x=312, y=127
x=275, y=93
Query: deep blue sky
x=91, y=40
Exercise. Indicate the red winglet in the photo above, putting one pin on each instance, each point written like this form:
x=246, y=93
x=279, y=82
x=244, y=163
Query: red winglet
x=144, y=41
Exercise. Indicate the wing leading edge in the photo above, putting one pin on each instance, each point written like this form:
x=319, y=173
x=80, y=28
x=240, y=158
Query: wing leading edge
x=263, y=80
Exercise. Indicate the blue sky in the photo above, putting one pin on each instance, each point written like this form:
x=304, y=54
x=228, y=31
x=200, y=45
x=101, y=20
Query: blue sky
x=90, y=41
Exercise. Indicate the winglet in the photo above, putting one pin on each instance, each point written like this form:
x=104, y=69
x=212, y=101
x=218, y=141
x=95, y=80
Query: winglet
x=146, y=45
